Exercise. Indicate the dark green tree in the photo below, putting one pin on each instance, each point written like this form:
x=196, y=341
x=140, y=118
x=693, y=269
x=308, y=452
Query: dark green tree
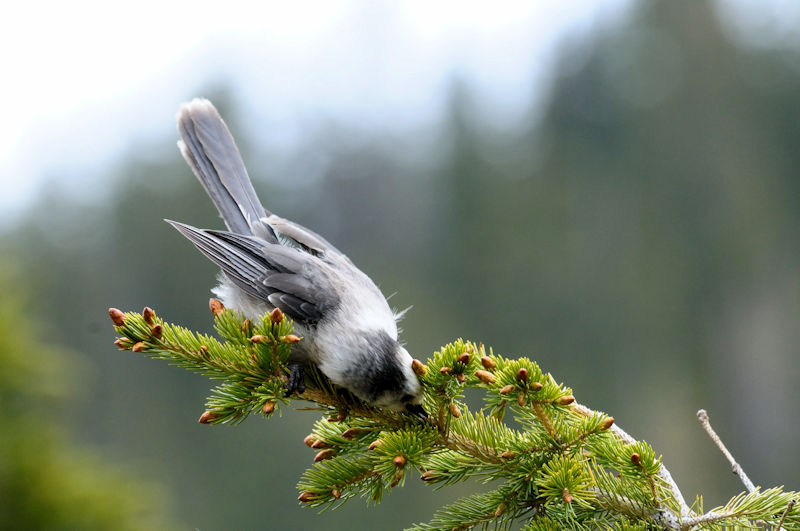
x=47, y=480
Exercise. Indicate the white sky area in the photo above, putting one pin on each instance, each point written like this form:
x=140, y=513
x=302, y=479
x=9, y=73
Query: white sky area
x=84, y=81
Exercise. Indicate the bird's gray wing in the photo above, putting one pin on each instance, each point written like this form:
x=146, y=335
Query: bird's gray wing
x=209, y=149
x=280, y=275
x=306, y=238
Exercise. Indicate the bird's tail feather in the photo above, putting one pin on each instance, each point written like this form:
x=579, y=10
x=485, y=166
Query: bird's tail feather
x=209, y=148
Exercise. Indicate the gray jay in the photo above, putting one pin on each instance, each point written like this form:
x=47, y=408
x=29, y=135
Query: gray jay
x=268, y=262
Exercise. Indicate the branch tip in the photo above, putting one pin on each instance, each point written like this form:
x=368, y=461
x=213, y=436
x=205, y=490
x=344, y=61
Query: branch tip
x=322, y=455
x=276, y=316
x=607, y=423
x=216, y=307
x=149, y=315
x=565, y=400
x=488, y=363
x=117, y=317
x=485, y=377
x=207, y=417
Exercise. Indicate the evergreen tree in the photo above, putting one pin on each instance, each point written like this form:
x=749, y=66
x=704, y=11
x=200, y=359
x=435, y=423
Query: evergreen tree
x=557, y=465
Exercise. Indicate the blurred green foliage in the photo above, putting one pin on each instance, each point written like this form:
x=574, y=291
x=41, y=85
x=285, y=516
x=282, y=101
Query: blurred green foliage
x=635, y=232
x=46, y=481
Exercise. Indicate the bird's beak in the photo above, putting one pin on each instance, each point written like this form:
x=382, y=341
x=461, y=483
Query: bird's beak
x=417, y=411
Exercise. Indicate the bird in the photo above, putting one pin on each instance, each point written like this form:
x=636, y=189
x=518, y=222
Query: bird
x=348, y=329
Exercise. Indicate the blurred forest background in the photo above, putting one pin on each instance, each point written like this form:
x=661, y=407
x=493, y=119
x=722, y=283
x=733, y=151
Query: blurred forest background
x=635, y=232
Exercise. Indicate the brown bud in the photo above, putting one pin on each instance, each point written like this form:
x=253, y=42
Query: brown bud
x=122, y=343
x=375, y=444
x=309, y=440
x=341, y=415
x=521, y=399
x=607, y=423
x=207, y=417
x=306, y=497
x=445, y=370
x=275, y=316
x=290, y=339
x=418, y=368
x=460, y=377
x=352, y=433
x=247, y=326
x=464, y=358
x=500, y=510
x=396, y=481
x=149, y=315
x=319, y=444
x=508, y=454
x=157, y=331
x=336, y=493
x=216, y=307
x=269, y=407
x=399, y=461
x=488, y=363
x=522, y=375
x=117, y=317
x=506, y=389
x=204, y=350
x=535, y=386
x=323, y=455
x=455, y=411
x=485, y=376
x=500, y=411
x=428, y=475
x=138, y=347
x=565, y=400
x=636, y=459
x=261, y=340
x=566, y=496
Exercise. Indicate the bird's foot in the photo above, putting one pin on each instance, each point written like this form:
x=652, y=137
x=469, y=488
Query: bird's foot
x=297, y=380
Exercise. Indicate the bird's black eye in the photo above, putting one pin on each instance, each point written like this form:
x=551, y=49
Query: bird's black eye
x=406, y=398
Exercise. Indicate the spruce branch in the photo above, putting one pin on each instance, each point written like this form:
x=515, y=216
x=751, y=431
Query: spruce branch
x=559, y=465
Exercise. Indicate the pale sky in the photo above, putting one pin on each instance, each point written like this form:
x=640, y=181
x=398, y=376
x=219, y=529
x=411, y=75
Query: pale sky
x=83, y=81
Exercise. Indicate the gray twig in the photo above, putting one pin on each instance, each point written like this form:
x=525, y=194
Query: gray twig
x=702, y=416
x=787, y=511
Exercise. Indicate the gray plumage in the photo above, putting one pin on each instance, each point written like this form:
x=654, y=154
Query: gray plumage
x=269, y=262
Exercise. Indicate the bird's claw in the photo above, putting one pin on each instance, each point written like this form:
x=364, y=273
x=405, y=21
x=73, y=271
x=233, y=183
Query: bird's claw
x=297, y=380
